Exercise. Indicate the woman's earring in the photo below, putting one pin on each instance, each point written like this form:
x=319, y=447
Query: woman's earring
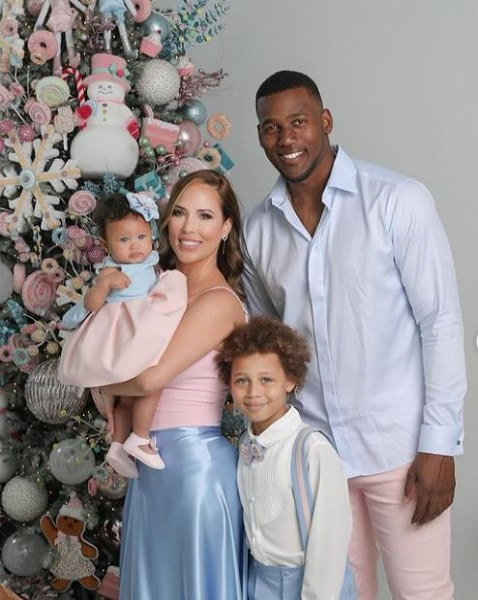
x=224, y=240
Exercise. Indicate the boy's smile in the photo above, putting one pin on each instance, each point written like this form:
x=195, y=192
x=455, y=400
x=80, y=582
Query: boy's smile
x=259, y=386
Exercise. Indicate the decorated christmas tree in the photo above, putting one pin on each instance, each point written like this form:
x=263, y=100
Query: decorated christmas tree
x=95, y=98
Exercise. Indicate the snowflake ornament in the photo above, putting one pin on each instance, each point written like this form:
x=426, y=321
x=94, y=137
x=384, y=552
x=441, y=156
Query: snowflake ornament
x=40, y=170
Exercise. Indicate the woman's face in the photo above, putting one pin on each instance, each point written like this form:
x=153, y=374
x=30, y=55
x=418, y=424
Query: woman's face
x=197, y=225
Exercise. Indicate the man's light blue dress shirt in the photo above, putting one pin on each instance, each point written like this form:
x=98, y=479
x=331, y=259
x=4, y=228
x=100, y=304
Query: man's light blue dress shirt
x=374, y=290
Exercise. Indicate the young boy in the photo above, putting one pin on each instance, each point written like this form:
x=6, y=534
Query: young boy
x=263, y=362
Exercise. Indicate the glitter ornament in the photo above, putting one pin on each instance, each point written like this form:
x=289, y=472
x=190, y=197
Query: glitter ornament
x=109, y=483
x=23, y=553
x=71, y=461
x=158, y=82
x=24, y=499
x=50, y=400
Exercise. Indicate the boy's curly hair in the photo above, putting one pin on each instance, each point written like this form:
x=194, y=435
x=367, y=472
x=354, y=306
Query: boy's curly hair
x=265, y=335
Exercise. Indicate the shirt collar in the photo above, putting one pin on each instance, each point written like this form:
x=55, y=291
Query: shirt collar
x=150, y=261
x=343, y=177
x=279, y=430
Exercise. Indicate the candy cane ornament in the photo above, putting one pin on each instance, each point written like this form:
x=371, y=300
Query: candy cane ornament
x=80, y=88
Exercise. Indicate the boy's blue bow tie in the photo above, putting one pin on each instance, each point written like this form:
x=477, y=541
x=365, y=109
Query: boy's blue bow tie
x=251, y=450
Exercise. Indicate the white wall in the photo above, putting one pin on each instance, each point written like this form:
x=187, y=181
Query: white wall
x=401, y=79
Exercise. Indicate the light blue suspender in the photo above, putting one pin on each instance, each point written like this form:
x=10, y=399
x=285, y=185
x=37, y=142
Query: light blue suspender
x=304, y=503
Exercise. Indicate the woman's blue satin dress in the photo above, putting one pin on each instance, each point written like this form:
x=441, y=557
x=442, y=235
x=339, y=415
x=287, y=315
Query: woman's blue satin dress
x=182, y=535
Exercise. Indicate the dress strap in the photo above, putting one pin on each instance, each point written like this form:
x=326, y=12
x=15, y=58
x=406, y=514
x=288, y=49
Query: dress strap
x=228, y=289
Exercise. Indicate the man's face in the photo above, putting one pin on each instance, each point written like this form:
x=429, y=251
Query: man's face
x=293, y=131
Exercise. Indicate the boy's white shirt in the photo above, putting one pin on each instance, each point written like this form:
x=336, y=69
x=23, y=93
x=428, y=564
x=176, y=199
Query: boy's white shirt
x=270, y=516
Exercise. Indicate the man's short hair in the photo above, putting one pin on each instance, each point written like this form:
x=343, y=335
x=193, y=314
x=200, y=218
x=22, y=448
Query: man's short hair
x=287, y=80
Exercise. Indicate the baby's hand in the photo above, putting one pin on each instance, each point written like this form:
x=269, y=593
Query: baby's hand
x=113, y=279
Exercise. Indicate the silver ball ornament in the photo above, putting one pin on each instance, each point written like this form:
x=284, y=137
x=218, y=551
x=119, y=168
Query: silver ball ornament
x=194, y=111
x=23, y=552
x=158, y=83
x=50, y=400
x=24, y=499
x=71, y=461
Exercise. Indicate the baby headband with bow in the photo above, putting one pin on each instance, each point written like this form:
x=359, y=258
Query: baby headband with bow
x=143, y=204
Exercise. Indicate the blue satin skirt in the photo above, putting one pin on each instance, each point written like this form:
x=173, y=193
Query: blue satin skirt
x=182, y=536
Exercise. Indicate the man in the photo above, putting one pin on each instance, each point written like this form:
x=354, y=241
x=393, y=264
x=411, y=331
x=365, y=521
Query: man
x=354, y=256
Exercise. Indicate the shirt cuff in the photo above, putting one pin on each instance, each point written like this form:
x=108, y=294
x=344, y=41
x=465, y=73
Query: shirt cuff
x=439, y=439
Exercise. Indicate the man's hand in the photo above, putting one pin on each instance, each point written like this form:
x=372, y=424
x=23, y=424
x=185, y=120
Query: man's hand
x=431, y=481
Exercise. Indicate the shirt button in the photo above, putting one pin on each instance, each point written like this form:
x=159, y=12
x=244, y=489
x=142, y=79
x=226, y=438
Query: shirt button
x=458, y=443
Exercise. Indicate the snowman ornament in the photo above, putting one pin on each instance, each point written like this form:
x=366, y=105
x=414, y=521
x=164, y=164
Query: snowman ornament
x=107, y=142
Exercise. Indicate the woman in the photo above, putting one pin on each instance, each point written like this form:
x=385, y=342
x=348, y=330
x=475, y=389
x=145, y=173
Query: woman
x=182, y=536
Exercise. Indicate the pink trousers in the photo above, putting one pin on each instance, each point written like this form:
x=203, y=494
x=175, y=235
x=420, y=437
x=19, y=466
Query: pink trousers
x=416, y=559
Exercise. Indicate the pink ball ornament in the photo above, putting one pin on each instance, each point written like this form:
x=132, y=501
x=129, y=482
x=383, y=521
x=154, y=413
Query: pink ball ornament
x=6, y=125
x=26, y=133
x=34, y=7
x=189, y=139
x=185, y=165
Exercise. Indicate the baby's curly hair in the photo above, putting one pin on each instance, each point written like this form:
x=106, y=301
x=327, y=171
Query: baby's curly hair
x=266, y=335
x=113, y=207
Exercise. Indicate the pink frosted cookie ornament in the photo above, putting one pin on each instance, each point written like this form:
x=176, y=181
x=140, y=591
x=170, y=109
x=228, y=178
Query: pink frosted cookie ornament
x=42, y=46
